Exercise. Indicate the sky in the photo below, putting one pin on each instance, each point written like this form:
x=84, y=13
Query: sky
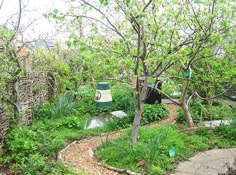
x=34, y=10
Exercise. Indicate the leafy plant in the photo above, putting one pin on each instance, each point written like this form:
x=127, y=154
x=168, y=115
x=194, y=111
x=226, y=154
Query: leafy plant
x=227, y=131
x=123, y=99
x=153, y=113
x=120, y=123
x=61, y=106
x=150, y=114
x=202, y=110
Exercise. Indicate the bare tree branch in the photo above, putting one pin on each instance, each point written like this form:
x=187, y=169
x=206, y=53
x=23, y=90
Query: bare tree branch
x=1, y=4
x=109, y=22
x=202, y=98
x=19, y=16
x=169, y=97
x=196, y=17
x=146, y=6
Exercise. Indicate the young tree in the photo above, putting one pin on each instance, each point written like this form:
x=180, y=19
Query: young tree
x=10, y=64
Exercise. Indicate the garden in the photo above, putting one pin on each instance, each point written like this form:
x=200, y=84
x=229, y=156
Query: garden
x=133, y=89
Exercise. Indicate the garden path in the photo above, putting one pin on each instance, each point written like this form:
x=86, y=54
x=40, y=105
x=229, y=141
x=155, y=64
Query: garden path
x=209, y=162
x=79, y=154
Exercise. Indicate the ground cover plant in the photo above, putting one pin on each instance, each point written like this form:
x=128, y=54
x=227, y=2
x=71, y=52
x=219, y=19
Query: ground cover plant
x=151, y=113
x=191, y=44
x=154, y=145
x=33, y=149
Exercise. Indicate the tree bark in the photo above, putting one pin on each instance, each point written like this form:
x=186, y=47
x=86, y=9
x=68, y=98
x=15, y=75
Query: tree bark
x=184, y=102
x=187, y=114
x=136, y=124
x=140, y=98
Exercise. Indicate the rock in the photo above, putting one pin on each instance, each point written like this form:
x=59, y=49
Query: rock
x=215, y=123
x=119, y=114
x=95, y=122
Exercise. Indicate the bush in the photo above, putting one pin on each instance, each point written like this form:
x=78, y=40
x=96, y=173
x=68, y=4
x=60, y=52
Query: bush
x=123, y=100
x=227, y=131
x=120, y=123
x=30, y=149
x=152, y=113
x=217, y=111
x=21, y=142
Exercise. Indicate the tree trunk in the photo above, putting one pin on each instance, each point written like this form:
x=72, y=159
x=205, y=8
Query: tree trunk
x=184, y=103
x=187, y=114
x=76, y=86
x=140, y=98
x=136, y=124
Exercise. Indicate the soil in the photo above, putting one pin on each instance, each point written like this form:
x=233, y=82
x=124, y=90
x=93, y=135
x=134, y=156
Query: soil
x=80, y=154
x=6, y=170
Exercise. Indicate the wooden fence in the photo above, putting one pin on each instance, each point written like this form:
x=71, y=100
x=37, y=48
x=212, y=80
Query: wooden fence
x=31, y=90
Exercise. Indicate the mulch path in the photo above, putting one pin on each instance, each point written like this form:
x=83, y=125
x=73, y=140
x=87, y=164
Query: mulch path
x=79, y=154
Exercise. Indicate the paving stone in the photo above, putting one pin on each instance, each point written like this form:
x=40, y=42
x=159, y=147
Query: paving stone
x=209, y=162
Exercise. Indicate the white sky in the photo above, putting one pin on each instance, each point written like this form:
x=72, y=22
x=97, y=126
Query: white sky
x=35, y=9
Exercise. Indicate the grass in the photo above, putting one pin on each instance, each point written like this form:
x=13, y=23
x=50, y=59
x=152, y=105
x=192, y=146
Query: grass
x=153, y=146
x=31, y=150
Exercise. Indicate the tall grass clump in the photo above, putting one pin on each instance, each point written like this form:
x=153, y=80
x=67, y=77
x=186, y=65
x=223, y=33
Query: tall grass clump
x=63, y=105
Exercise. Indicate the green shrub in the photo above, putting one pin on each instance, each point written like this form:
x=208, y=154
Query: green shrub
x=122, y=99
x=21, y=142
x=150, y=114
x=217, y=111
x=30, y=149
x=32, y=164
x=153, y=113
x=227, y=131
x=120, y=123
x=37, y=164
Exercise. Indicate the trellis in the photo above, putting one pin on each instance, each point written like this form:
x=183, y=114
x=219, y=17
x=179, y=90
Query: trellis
x=31, y=90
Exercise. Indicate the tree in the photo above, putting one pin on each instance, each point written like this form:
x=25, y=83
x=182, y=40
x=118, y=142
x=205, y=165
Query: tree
x=10, y=64
x=155, y=35
x=11, y=58
x=212, y=31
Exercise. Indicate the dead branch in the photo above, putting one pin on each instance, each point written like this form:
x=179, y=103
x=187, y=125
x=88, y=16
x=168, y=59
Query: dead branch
x=119, y=170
